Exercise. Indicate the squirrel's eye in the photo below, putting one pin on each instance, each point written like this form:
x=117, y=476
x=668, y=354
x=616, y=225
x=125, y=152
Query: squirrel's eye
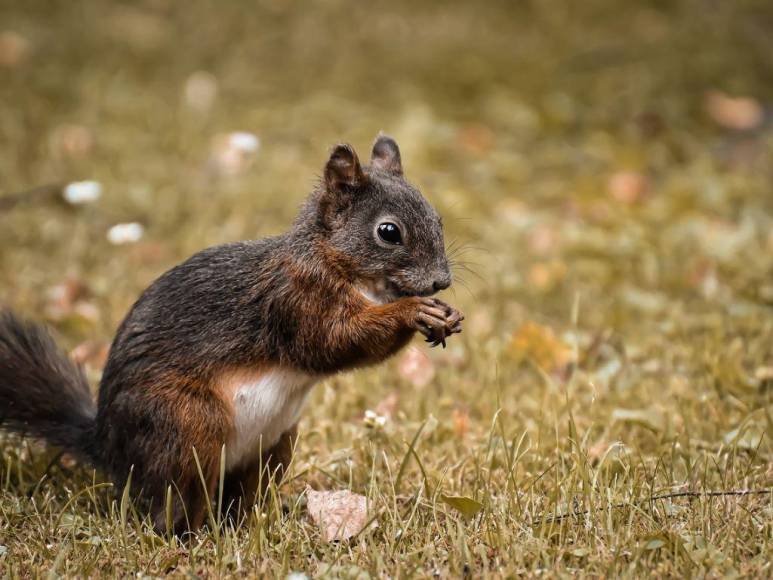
x=390, y=233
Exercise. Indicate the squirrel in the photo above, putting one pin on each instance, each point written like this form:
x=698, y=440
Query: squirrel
x=223, y=349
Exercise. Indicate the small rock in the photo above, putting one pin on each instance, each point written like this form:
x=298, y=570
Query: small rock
x=82, y=192
x=125, y=233
x=244, y=141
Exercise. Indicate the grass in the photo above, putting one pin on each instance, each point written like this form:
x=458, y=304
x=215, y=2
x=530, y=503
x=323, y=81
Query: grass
x=609, y=400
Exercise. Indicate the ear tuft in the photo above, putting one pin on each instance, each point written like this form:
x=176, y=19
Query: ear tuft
x=343, y=167
x=386, y=155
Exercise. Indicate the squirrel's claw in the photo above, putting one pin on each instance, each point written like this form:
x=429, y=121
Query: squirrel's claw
x=437, y=320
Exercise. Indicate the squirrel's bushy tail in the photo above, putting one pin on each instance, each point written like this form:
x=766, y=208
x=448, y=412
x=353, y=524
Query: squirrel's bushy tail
x=43, y=393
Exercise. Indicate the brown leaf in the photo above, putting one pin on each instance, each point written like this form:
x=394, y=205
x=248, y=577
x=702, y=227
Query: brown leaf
x=461, y=421
x=543, y=240
x=148, y=253
x=416, y=367
x=545, y=276
x=72, y=141
x=91, y=352
x=340, y=515
x=628, y=186
x=14, y=49
x=475, y=138
x=68, y=461
x=63, y=298
x=539, y=343
x=739, y=113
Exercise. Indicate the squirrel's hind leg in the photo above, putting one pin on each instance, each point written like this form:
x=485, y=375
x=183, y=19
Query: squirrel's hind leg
x=168, y=434
x=249, y=484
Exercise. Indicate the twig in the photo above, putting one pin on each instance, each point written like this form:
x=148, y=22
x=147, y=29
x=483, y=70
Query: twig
x=42, y=192
x=678, y=494
x=711, y=493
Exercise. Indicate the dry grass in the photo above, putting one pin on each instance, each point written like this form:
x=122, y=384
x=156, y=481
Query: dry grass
x=616, y=268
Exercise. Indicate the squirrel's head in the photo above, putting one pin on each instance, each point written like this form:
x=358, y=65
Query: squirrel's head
x=381, y=224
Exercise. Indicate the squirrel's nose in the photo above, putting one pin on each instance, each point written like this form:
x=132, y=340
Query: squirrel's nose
x=441, y=284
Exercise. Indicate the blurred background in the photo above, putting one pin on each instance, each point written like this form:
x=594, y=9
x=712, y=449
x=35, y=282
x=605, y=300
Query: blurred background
x=569, y=145
x=604, y=170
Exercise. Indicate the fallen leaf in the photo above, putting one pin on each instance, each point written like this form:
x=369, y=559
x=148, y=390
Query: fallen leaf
x=748, y=436
x=546, y=275
x=648, y=418
x=461, y=421
x=91, y=352
x=200, y=91
x=475, y=138
x=145, y=253
x=540, y=344
x=628, y=186
x=416, y=367
x=64, y=295
x=739, y=113
x=68, y=461
x=467, y=506
x=543, y=239
x=340, y=515
x=654, y=543
x=71, y=141
x=14, y=48
x=64, y=298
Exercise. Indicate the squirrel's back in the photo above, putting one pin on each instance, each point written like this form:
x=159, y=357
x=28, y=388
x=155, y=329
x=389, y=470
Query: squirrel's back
x=199, y=315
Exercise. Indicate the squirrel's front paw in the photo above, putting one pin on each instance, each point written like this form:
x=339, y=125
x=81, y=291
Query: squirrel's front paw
x=436, y=320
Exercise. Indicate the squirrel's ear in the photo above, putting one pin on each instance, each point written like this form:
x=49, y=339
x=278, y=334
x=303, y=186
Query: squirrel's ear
x=343, y=168
x=386, y=155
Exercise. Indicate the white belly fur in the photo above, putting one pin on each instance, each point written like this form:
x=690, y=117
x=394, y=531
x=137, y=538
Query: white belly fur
x=265, y=404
